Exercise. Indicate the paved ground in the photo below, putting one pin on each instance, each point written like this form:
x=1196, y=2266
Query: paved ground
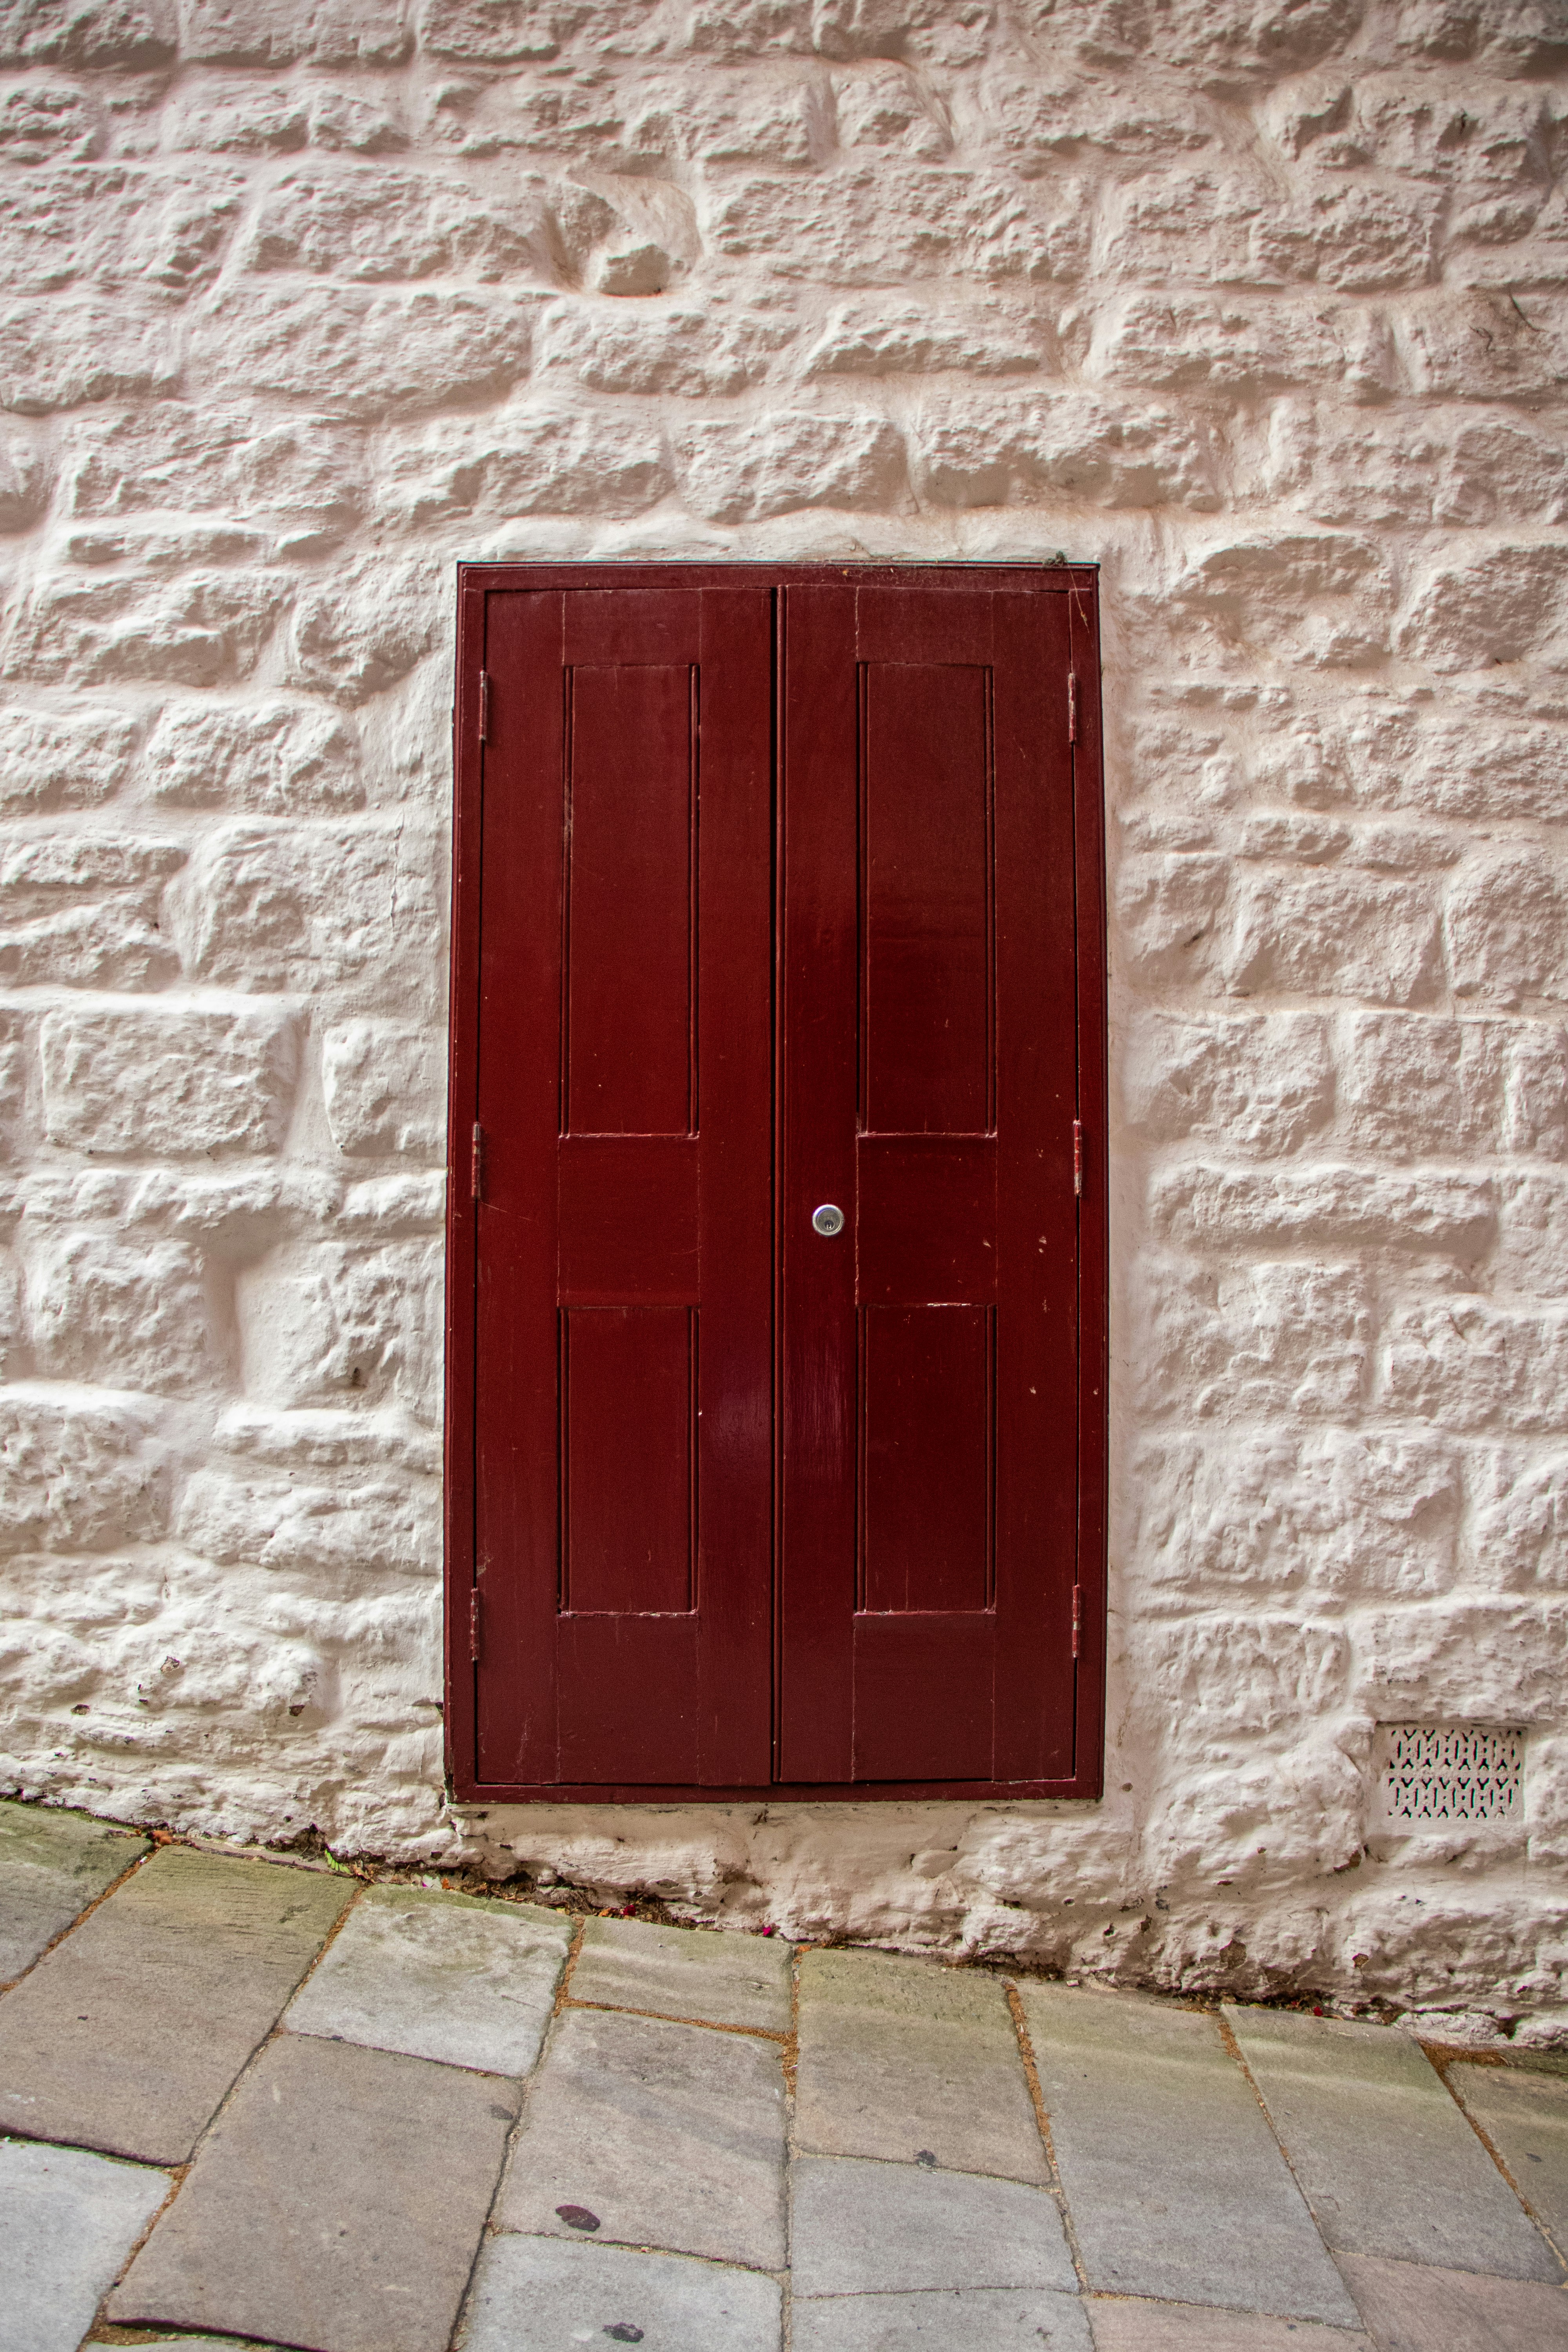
x=245, y=2100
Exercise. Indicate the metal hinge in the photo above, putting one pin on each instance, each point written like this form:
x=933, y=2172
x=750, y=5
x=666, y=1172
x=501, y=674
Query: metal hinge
x=484, y=705
x=477, y=1165
x=1077, y=1155
x=1077, y=1617
x=474, y=1628
x=1072, y=706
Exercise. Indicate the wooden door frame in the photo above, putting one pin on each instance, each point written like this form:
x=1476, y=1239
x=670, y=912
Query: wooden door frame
x=1080, y=583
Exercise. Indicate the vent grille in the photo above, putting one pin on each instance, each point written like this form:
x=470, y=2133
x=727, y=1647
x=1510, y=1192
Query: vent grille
x=1451, y=1773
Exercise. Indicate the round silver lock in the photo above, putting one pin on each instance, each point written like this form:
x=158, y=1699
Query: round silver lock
x=828, y=1220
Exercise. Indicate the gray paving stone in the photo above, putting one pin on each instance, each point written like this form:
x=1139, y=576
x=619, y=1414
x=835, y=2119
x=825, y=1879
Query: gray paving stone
x=984, y=2319
x=127, y=2035
x=1525, y=2117
x=1128, y=2326
x=534, y=2294
x=1384, y=2155
x=447, y=1977
x=52, y=1866
x=900, y=2057
x=337, y=2202
x=670, y=2135
x=68, y=2222
x=1415, y=2307
x=860, y=2227
x=685, y=1972
x=1174, y=2183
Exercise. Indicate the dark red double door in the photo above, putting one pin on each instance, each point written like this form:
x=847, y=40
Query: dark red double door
x=774, y=897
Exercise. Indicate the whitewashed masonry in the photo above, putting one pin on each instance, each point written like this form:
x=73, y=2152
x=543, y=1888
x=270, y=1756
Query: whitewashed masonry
x=1260, y=304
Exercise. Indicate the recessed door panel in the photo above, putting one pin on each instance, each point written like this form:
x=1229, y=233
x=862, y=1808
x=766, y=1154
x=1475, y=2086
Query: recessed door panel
x=628, y=1400
x=926, y=1437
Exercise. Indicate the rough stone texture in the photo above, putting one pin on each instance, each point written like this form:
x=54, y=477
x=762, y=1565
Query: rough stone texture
x=52, y=1866
x=438, y=1976
x=668, y=1971
x=314, y=2210
x=68, y=2221
x=1260, y=307
x=567, y=2294
x=128, y=2034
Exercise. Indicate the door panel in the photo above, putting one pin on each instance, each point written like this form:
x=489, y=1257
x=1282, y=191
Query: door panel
x=929, y=1553
x=770, y=894
x=623, y=1342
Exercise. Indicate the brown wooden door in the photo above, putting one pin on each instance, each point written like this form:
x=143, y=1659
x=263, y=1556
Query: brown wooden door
x=771, y=894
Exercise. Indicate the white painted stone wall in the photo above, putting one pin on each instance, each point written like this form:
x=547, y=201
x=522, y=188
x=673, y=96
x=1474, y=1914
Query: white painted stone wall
x=1259, y=303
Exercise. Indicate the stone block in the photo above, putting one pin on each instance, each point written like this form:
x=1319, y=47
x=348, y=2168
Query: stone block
x=1277, y=1339
x=1260, y=1083
x=1463, y=1661
x=345, y=1535
x=136, y=1318
x=1223, y=342
x=68, y=2221
x=383, y=1082
x=315, y=2200
x=61, y=352
x=536, y=461
x=273, y=759
x=897, y=221
x=1219, y=1676
x=200, y=630
x=1473, y=1366
x=381, y=223
x=1536, y=1112
x=52, y=1866
x=185, y=1081
x=1384, y=2157
x=82, y=1471
x=984, y=2319
x=323, y=1320
x=1417, y=1086
x=772, y=465
x=51, y=760
x=1080, y=446
x=1329, y=1205
x=444, y=1977
x=742, y=1980
x=687, y=351
x=901, y=338
x=1531, y=1254
x=1498, y=605
x=227, y=456
x=1507, y=924
x=355, y=353
x=1332, y=933
x=1525, y=2117
x=1419, y=2308
x=670, y=2135
x=1168, y=911
x=325, y=32
x=570, y=2294
x=364, y=632
x=860, y=2229
x=1175, y=2182
x=98, y=33
x=312, y=906
x=183, y=1971
x=904, y=2058
x=1521, y=1518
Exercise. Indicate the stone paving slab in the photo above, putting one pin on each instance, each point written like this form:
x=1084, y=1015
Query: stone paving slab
x=904, y=2058
x=1384, y=2154
x=535, y=2295
x=68, y=2221
x=683, y=1972
x=1525, y=2117
x=669, y=2136
x=1174, y=2183
x=447, y=1977
x=128, y=2034
x=986, y=2319
x=1416, y=2307
x=866, y=2227
x=52, y=1866
x=1122, y=2324
x=336, y=2203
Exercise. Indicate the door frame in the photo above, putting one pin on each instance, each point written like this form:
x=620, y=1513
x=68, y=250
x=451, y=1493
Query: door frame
x=1079, y=585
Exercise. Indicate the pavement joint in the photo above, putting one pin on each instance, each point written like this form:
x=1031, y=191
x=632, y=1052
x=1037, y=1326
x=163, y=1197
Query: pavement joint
x=1042, y=2119
x=136, y=1862
x=1442, y=2058
x=679, y=2017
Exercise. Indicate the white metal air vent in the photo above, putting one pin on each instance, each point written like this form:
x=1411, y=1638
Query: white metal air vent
x=1439, y=1773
